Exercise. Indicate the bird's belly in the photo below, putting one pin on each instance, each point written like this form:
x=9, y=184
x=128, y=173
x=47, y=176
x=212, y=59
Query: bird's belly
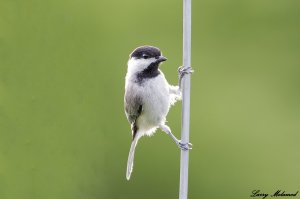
x=156, y=105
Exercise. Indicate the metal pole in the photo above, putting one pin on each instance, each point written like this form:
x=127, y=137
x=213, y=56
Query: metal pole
x=186, y=84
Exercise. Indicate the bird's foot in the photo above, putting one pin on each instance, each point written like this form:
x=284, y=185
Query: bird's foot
x=184, y=70
x=184, y=146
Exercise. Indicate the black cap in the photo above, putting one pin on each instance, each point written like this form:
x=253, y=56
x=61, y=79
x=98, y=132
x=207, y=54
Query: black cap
x=145, y=52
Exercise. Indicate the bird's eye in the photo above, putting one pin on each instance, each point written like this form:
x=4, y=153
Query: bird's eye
x=145, y=56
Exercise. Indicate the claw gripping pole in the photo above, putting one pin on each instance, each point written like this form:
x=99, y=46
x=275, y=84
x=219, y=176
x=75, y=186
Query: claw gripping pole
x=186, y=84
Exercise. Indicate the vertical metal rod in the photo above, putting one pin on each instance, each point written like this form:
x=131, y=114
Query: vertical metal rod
x=186, y=84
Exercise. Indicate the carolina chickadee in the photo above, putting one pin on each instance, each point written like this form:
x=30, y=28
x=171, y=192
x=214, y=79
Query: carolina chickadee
x=148, y=97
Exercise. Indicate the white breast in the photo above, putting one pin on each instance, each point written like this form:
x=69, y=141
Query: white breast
x=156, y=103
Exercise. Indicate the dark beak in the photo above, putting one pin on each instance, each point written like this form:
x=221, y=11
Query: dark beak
x=161, y=59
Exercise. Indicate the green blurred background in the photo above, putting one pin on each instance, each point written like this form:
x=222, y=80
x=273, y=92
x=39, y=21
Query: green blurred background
x=63, y=131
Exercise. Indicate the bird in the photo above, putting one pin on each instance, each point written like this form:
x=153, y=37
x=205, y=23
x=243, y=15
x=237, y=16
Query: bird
x=148, y=97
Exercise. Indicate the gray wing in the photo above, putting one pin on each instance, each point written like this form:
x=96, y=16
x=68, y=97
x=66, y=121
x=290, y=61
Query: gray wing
x=133, y=109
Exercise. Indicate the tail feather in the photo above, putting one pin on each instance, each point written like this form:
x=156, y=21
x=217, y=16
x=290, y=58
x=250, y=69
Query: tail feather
x=131, y=157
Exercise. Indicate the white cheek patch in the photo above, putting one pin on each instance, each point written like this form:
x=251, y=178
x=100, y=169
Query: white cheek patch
x=138, y=65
